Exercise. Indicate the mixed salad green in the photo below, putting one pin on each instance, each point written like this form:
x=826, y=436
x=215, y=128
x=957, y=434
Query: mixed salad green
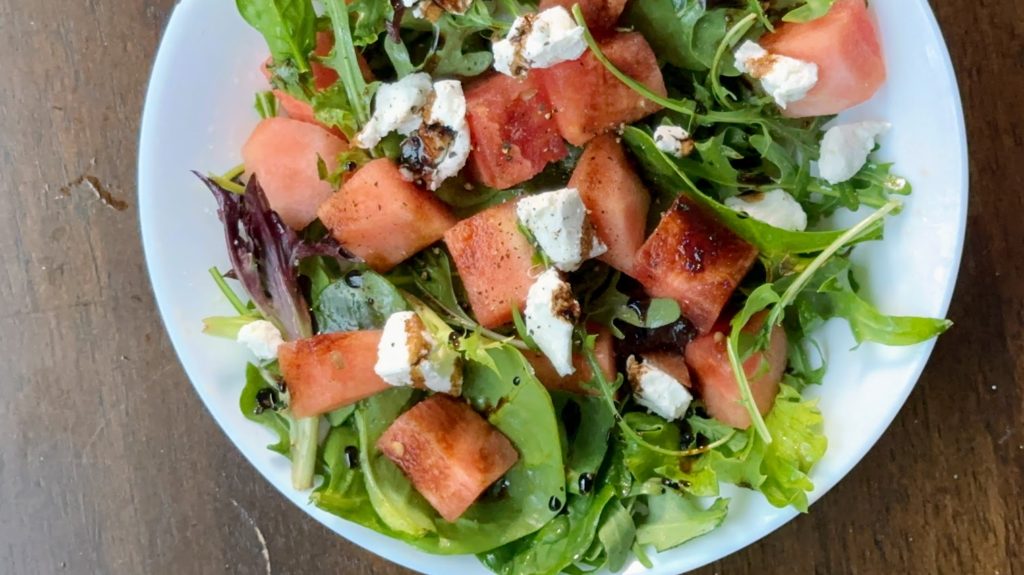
x=599, y=478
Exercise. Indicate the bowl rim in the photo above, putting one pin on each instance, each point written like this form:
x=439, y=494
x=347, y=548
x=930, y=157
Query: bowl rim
x=174, y=29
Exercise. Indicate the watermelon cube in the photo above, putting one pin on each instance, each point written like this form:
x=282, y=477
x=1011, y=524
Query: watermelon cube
x=709, y=363
x=330, y=370
x=573, y=383
x=513, y=133
x=494, y=260
x=694, y=260
x=588, y=100
x=615, y=198
x=283, y=153
x=844, y=44
x=382, y=218
x=449, y=452
x=600, y=15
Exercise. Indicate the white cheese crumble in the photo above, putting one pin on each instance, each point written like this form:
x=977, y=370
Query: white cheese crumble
x=433, y=9
x=262, y=338
x=539, y=40
x=432, y=115
x=775, y=208
x=673, y=140
x=440, y=147
x=558, y=221
x=785, y=79
x=657, y=391
x=845, y=149
x=551, y=312
x=407, y=355
x=397, y=108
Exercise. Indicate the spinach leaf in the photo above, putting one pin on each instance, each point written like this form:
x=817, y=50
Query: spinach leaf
x=396, y=501
x=255, y=383
x=680, y=31
x=360, y=300
x=558, y=544
x=343, y=490
x=523, y=412
x=673, y=519
x=616, y=534
x=589, y=443
x=288, y=26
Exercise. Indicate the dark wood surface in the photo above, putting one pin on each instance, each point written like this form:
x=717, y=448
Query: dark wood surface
x=108, y=464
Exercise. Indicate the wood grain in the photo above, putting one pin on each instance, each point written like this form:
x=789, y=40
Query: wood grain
x=107, y=464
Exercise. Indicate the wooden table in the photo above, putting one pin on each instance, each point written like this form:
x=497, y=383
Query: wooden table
x=108, y=464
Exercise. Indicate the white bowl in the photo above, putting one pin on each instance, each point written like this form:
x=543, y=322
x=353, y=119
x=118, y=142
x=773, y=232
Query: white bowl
x=199, y=112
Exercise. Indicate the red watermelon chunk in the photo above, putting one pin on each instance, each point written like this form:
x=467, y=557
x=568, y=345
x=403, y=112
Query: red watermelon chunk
x=600, y=15
x=448, y=451
x=495, y=262
x=709, y=362
x=546, y=374
x=615, y=198
x=330, y=370
x=513, y=133
x=282, y=153
x=380, y=217
x=844, y=44
x=694, y=260
x=589, y=101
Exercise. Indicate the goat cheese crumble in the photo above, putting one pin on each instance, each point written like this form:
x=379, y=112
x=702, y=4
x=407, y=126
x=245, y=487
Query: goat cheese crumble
x=656, y=390
x=407, y=355
x=559, y=223
x=433, y=117
x=845, y=149
x=262, y=338
x=397, y=108
x=785, y=79
x=439, y=148
x=775, y=208
x=551, y=312
x=539, y=40
x=673, y=140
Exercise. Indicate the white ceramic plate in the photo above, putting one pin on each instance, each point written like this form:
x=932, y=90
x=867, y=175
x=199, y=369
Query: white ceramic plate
x=199, y=112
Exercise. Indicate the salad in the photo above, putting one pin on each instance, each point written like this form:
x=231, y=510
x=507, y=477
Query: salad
x=532, y=282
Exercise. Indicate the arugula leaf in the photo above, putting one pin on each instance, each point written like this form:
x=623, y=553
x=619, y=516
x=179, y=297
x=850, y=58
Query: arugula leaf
x=288, y=26
x=772, y=242
x=832, y=293
x=674, y=518
x=332, y=108
x=360, y=300
x=344, y=60
x=680, y=31
x=371, y=18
